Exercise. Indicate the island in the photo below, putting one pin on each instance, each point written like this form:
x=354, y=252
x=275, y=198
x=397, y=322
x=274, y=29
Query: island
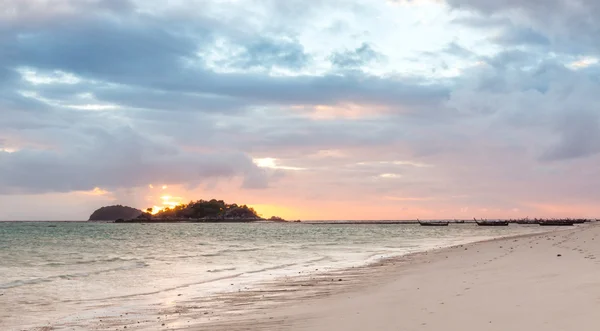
x=112, y=213
x=195, y=211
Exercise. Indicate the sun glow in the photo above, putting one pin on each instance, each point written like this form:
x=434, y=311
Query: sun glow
x=272, y=163
x=8, y=150
x=167, y=201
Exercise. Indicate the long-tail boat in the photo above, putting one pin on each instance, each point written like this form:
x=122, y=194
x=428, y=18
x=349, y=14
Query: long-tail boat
x=434, y=223
x=491, y=223
x=557, y=223
x=527, y=221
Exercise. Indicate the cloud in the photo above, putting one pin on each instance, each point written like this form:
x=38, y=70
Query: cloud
x=117, y=159
x=356, y=58
x=150, y=54
x=544, y=97
x=32, y=12
x=117, y=95
x=457, y=50
x=515, y=36
x=580, y=136
x=268, y=54
x=563, y=25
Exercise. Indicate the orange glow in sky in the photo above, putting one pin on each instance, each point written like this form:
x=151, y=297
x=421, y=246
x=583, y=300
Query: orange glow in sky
x=166, y=201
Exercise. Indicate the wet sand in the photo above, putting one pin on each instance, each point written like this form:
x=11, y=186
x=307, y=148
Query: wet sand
x=534, y=282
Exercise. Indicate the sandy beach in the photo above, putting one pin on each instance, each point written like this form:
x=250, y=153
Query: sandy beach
x=533, y=282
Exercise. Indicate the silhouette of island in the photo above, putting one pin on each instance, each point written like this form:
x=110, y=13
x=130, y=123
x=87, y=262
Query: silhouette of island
x=203, y=209
x=195, y=211
x=112, y=213
x=199, y=211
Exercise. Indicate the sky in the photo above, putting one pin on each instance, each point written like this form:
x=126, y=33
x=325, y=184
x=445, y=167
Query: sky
x=328, y=109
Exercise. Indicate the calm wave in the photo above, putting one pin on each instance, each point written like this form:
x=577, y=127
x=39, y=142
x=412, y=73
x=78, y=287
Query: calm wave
x=74, y=266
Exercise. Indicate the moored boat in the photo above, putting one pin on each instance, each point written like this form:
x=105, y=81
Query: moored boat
x=557, y=223
x=491, y=223
x=434, y=223
x=527, y=222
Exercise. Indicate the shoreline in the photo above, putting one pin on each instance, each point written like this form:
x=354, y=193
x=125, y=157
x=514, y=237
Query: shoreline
x=201, y=312
x=275, y=299
x=306, y=313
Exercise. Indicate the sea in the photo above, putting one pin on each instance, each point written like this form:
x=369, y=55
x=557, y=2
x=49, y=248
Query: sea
x=97, y=276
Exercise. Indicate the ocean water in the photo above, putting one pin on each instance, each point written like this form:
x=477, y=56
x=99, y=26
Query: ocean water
x=53, y=273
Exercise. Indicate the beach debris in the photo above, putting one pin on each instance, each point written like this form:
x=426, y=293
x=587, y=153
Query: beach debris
x=559, y=255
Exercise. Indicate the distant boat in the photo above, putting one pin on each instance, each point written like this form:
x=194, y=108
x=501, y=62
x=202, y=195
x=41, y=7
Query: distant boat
x=557, y=223
x=434, y=223
x=528, y=222
x=491, y=223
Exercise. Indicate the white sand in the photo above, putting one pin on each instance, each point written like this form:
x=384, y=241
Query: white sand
x=504, y=285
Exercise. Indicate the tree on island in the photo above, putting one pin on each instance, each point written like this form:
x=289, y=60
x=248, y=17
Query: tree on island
x=203, y=209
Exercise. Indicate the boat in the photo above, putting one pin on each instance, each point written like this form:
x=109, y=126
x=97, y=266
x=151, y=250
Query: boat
x=527, y=222
x=491, y=223
x=557, y=223
x=434, y=223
